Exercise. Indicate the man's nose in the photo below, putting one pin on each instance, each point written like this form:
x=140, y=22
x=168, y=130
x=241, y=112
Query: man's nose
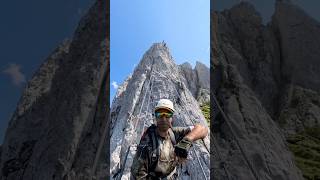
x=163, y=118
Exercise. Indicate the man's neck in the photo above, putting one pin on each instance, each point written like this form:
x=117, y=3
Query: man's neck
x=163, y=134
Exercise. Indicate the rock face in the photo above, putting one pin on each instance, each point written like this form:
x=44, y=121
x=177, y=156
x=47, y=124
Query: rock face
x=298, y=36
x=246, y=43
x=60, y=119
x=266, y=74
x=248, y=143
x=197, y=80
x=156, y=77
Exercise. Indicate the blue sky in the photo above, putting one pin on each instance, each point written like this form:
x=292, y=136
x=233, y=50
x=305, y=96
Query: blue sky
x=184, y=25
x=266, y=8
x=30, y=31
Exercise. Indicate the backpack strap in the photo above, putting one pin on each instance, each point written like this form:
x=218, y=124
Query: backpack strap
x=155, y=151
x=172, y=137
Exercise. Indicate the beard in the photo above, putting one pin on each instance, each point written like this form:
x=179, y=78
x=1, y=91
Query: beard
x=163, y=125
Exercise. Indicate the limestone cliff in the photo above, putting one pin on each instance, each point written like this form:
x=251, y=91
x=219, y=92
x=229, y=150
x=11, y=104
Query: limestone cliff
x=60, y=120
x=267, y=82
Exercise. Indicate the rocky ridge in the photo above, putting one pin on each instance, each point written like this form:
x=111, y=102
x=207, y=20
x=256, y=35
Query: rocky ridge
x=197, y=80
x=277, y=66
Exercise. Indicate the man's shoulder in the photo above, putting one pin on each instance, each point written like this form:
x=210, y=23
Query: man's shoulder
x=145, y=138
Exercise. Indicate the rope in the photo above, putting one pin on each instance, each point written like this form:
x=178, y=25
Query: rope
x=144, y=122
x=237, y=141
x=204, y=175
x=143, y=99
x=104, y=135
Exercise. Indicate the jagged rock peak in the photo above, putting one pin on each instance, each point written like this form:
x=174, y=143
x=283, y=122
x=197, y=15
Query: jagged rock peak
x=245, y=10
x=203, y=73
x=197, y=80
x=200, y=65
x=246, y=7
x=298, y=34
x=186, y=65
x=160, y=46
x=158, y=51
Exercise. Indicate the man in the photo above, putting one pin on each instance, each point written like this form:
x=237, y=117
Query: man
x=158, y=154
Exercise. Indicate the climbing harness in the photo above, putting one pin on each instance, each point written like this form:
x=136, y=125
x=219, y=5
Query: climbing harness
x=155, y=151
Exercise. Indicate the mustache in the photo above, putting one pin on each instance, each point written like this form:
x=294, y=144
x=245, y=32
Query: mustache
x=164, y=124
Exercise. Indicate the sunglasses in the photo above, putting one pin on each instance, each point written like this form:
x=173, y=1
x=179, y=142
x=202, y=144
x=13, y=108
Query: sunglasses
x=165, y=114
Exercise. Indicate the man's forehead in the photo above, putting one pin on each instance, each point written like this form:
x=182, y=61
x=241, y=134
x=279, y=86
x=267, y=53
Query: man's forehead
x=163, y=110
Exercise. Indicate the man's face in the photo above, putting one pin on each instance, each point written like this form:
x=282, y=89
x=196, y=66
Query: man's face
x=164, y=119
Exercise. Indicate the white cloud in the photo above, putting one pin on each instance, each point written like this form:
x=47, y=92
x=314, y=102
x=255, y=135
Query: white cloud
x=115, y=85
x=17, y=77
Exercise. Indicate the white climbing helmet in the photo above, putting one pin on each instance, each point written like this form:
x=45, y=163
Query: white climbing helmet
x=164, y=104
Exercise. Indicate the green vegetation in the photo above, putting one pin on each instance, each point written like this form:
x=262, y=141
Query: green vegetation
x=306, y=149
x=205, y=108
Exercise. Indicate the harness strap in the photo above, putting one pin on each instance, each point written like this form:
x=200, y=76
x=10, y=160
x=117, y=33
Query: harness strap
x=155, y=151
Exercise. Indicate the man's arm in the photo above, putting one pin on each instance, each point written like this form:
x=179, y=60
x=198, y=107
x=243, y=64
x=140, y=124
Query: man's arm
x=198, y=132
x=181, y=149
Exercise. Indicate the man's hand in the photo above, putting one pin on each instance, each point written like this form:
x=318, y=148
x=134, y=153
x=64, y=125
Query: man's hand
x=182, y=148
x=181, y=160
